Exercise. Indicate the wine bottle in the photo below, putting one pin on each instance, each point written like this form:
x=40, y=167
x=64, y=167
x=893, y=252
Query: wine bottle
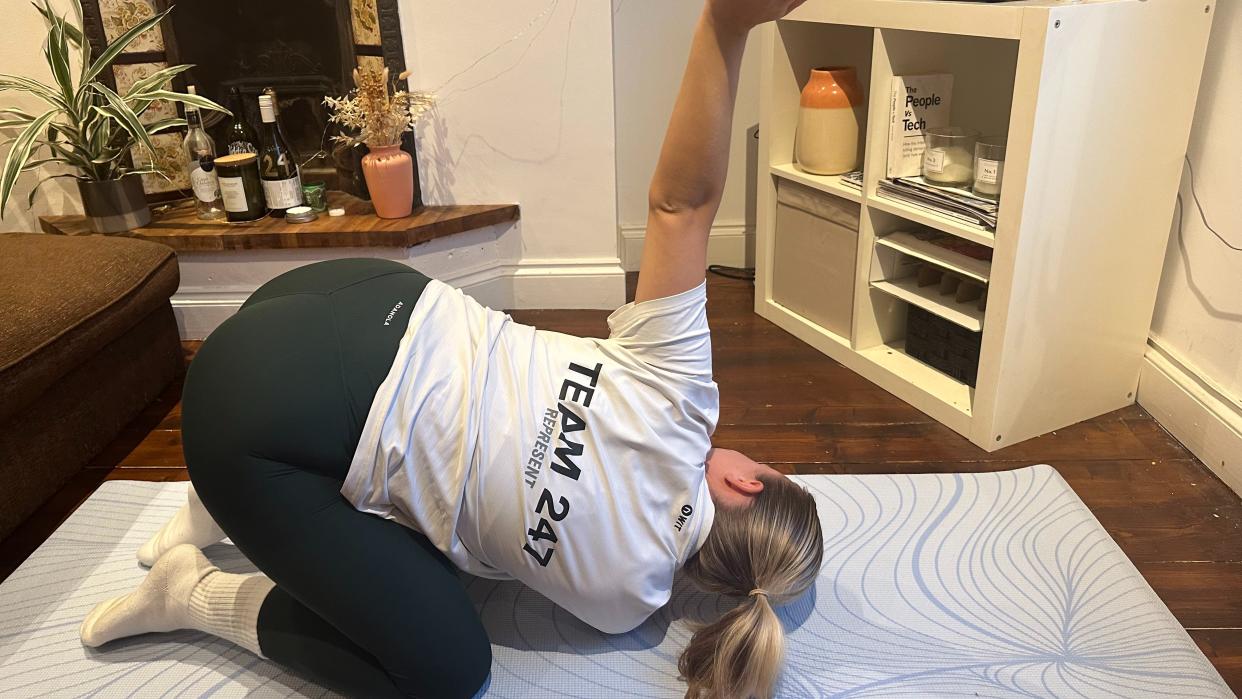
x=200, y=154
x=239, y=135
x=278, y=167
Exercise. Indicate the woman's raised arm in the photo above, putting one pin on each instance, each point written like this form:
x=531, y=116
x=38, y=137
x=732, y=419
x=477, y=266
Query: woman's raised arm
x=689, y=179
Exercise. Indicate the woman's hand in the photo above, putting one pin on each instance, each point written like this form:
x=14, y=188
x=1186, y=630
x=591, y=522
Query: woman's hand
x=744, y=15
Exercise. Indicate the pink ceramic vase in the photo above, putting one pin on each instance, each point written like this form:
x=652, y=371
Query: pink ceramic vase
x=390, y=178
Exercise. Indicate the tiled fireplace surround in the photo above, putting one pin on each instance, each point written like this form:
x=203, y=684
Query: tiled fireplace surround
x=562, y=254
x=376, y=41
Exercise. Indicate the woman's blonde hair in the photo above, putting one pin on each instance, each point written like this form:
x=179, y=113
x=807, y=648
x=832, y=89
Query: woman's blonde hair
x=769, y=552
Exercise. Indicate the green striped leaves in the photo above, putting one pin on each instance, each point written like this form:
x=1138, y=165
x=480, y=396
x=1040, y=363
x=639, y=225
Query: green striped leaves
x=88, y=125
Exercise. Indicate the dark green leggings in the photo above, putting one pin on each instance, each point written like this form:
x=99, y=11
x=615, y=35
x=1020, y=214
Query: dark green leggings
x=273, y=408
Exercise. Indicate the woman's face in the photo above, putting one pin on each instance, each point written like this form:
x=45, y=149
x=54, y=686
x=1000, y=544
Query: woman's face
x=733, y=477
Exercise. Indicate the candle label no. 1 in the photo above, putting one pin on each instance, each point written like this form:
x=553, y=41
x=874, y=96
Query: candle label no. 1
x=988, y=171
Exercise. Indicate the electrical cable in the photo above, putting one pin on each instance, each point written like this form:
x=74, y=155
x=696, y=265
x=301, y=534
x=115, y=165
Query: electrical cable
x=746, y=274
x=1202, y=214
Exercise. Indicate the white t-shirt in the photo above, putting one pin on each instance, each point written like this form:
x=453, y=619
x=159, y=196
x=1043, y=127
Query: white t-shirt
x=574, y=465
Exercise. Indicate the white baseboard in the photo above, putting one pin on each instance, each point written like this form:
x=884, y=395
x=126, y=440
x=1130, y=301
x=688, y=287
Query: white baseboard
x=592, y=283
x=577, y=284
x=732, y=245
x=1193, y=409
x=198, y=314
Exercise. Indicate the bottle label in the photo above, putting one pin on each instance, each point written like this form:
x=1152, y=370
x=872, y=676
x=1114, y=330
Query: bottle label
x=283, y=194
x=233, y=189
x=237, y=147
x=933, y=160
x=988, y=171
x=206, y=185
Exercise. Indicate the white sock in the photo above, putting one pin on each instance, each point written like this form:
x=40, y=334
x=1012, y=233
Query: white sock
x=191, y=525
x=184, y=591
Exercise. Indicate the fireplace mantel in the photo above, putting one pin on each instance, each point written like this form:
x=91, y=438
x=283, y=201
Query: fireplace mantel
x=179, y=228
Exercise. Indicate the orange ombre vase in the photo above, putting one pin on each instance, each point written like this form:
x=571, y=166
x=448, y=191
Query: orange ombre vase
x=389, y=172
x=830, y=122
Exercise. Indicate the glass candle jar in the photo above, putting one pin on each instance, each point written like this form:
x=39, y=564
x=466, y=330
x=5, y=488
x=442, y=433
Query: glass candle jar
x=241, y=187
x=949, y=158
x=989, y=166
x=315, y=194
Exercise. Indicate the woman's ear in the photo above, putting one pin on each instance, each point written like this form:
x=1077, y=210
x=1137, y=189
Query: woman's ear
x=745, y=486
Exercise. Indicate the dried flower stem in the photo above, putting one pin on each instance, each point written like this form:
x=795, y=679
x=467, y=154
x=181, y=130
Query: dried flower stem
x=376, y=114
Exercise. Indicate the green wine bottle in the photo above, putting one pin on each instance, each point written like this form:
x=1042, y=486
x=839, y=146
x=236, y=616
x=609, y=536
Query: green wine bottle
x=278, y=166
x=239, y=137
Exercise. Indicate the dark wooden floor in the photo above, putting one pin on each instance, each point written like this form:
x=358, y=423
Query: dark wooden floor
x=784, y=403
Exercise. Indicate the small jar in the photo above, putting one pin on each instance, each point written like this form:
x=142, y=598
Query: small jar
x=989, y=166
x=300, y=214
x=240, y=187
x=950, y=155
x=315, y=195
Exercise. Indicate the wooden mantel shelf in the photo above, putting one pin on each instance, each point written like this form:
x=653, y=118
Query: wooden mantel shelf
x=180, y=229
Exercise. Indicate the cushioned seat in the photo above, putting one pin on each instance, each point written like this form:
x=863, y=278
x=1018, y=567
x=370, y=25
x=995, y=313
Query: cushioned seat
x=87, y=339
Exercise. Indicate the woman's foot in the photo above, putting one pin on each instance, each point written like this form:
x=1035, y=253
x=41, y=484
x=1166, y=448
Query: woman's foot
x=160, y=603
x=191, y=525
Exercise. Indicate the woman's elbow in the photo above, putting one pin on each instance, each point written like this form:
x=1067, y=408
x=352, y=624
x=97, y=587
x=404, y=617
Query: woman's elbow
x=681, y=203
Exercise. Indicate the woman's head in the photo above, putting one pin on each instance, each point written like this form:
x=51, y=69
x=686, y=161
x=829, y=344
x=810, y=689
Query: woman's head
x=766, y=546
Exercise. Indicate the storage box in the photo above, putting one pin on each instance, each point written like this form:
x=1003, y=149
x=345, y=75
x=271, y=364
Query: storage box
x=943, y=345
x=816, y=245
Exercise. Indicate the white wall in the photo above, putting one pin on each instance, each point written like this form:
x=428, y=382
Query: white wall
x=651, y=43
x=1196, y=334
x=525, y=115
x=21, y=53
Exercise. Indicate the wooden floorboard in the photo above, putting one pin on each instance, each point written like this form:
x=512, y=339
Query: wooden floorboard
x=1224, y=648
x=783, y=402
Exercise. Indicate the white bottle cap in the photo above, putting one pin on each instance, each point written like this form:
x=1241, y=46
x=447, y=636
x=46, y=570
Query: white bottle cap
x=338, y=211
x=266, y=109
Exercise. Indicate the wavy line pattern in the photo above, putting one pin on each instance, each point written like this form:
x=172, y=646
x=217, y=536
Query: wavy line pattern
x=980, y=585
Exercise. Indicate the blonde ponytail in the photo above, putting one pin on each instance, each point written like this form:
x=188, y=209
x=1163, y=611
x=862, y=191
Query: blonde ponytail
x=770, y=552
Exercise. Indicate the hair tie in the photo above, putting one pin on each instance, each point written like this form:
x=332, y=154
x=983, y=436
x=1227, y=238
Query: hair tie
x=758, y=591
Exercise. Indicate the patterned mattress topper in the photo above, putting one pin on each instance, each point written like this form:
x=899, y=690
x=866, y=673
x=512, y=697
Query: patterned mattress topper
x=959, y=585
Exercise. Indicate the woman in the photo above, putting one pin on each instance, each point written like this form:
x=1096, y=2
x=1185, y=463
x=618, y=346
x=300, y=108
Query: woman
x=461, y=441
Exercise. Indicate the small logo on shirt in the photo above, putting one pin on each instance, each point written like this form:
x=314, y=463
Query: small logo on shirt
x=393, y=313
x=684, y=517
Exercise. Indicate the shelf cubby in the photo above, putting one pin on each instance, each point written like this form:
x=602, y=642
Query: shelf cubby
x=932, y=219
x=829, y=184
x=807, y=46
x=914, y=246
x=964, y=313
x=1075, y=256
x=892, y=357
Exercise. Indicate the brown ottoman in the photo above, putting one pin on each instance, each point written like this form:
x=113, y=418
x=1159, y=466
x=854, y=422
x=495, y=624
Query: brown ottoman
x=87, y=340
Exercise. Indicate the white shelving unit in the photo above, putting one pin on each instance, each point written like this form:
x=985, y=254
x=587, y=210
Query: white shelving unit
x=1097, y=99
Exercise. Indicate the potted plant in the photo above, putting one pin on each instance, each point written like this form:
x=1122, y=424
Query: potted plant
x=87, y=125
x=375, y=115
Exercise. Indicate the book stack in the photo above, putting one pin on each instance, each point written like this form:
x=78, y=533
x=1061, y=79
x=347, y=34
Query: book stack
x=853, y=179
x=954, y=202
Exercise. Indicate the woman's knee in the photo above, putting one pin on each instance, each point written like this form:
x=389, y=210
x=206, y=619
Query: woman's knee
x=451, y=671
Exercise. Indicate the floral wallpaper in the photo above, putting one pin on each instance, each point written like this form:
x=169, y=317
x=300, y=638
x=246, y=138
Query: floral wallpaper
x=127, y=75
x=120, y=15
x=366, y=23
x=169, y=159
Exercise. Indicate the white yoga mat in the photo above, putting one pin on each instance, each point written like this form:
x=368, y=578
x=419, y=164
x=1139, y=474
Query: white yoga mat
x=979, y=585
